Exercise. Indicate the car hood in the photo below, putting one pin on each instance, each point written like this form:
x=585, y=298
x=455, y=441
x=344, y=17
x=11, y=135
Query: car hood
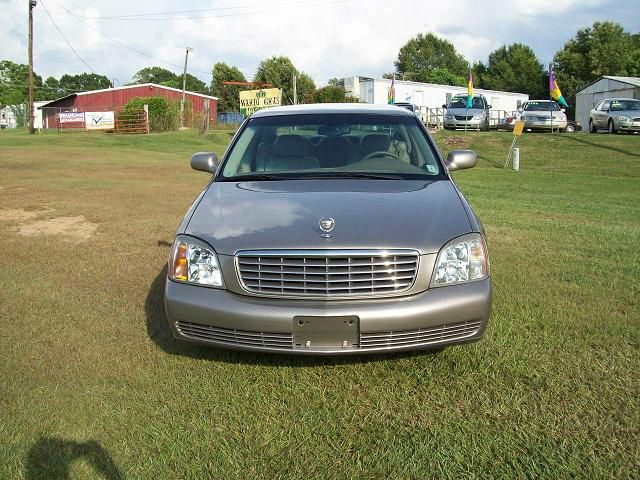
x=464, y=111
x=420, y=215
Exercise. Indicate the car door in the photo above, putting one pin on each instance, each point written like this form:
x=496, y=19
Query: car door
x=602, y=115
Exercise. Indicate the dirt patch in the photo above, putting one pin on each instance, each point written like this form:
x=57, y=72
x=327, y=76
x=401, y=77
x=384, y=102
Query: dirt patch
x=456, y=141
x=77, y=228
x=19, y=214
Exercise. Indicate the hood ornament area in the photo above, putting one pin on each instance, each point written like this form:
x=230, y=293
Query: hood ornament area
x=326, y=224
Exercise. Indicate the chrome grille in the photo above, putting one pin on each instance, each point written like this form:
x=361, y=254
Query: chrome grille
x=327, y=273
x=421, y=336
x=463, y=117
x=237, y=337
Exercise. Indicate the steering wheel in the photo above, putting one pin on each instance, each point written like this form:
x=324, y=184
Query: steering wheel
x=379, y=153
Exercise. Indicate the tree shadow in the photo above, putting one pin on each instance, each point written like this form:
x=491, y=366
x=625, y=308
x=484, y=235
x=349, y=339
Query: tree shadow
x=51, y=458
x=161, y=334
x=578, y=139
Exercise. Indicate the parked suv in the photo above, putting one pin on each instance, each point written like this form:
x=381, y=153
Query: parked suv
x=474, y=118
x=615, y=114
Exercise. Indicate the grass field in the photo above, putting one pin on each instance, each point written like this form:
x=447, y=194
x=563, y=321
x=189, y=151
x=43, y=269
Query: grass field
x=92, y=385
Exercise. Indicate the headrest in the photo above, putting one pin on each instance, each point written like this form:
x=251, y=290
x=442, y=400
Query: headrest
x=291, y=146
x=376, y=142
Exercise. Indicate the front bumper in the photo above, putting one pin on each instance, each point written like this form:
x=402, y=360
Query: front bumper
x=431, y=319
x=545, y=124
x=628, y=125
x=472, y=124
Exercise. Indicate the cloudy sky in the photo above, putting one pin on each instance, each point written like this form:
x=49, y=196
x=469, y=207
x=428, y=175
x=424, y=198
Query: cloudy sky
x=325, y=38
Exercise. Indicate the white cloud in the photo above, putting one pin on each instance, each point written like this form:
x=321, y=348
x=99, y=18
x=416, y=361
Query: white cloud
x=324, y=38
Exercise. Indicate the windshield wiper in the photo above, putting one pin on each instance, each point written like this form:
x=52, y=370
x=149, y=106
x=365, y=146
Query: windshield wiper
x=375, y=176
x=257, y=176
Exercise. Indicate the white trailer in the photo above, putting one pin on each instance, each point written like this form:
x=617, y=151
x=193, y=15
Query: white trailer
x=429, y=97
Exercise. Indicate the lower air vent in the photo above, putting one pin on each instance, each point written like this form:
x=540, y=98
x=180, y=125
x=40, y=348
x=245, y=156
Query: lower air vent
x=420, y=336
x=236, y=337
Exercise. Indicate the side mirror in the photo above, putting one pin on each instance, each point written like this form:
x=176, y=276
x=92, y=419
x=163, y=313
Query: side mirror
x=204, y=162
x=488, y=106
x=461, y=159
x=520, y=110
x=563, y=110
x=444, y=106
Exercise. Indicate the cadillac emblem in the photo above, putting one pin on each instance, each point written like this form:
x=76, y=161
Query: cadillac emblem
x=327, y=224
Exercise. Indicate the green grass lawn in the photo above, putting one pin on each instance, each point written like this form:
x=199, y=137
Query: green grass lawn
x=92, y=385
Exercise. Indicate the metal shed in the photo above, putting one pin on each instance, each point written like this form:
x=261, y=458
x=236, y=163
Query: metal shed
x=604, y=87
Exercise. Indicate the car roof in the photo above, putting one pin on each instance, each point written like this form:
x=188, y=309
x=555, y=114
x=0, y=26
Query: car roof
x=332, y=108
x=620, y=98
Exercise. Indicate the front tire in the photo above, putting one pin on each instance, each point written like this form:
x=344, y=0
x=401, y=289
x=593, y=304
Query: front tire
x=592, y=127
x=611, y=127
x=570, y=128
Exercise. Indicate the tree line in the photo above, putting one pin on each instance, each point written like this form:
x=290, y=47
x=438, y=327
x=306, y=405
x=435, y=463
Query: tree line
x=602, y=49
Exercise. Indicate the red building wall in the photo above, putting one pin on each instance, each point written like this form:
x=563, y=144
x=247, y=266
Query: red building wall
x=116, y=99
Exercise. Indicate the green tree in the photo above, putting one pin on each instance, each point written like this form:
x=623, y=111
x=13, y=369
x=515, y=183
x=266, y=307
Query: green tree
x=157, y=75
x=279, y=71
x=329, y=94
x=513, y=68
x=82, y=82
x=51, y=90
x=603, y=49
x=428, y=58
x=230, y=94
x=14, y=83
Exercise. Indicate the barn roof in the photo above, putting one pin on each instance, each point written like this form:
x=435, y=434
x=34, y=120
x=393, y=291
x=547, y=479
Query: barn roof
x=124, y=87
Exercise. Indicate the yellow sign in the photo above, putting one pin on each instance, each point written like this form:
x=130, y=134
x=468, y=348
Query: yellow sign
x=518, y=127
x=253, y=100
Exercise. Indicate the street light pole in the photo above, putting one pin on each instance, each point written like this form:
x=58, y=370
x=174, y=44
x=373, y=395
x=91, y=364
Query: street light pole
x=184, y=86
x=32, y=4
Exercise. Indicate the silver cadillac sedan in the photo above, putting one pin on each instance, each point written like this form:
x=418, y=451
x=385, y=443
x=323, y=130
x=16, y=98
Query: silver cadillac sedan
x=326, y=230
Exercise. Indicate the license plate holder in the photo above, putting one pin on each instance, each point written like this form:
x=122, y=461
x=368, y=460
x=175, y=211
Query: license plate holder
x=334, y=331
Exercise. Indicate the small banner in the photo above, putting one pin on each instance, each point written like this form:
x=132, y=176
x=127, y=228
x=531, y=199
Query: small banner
x=71, y=117
x=99, y=120
x=254, y=100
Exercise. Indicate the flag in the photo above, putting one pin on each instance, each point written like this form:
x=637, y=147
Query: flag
x=470, y=91
x=391, y=97
x=554, y=89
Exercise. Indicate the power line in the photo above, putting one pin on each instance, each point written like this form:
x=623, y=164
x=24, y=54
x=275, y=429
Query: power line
x=156, y=16
x=124, y=45
x=65, y=38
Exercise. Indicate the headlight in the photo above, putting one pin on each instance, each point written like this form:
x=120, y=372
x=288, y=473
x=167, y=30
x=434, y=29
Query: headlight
x=463, y=259
x=449, y=116
x=478, y=116
x=193, y=261
x=623, y=119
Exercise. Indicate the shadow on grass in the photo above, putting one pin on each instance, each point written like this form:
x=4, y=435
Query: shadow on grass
x=52, y=458
x=578, y=139
x=160, y=333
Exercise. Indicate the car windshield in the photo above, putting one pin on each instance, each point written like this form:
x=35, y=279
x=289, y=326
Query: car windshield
x=461, y=102
x=620, y=105
x=335, y=145
x=541, y=107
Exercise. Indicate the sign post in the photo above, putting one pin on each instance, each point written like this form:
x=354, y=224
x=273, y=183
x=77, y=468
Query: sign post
x=518, y=128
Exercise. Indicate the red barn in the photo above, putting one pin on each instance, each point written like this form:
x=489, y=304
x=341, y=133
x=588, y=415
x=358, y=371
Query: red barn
x=113, y=99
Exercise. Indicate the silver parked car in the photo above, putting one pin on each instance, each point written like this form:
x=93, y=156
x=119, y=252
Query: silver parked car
x=457, y=115
x=330, y=229
x=543, y=115
x=616, y=115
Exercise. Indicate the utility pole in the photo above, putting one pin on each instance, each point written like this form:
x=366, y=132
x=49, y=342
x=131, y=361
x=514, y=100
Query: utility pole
x=32, y=4
x=295, y=89
x=184, y=86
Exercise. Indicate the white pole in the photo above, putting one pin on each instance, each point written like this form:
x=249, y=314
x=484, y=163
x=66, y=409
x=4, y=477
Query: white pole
x=295, y=90
x=516, y=159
